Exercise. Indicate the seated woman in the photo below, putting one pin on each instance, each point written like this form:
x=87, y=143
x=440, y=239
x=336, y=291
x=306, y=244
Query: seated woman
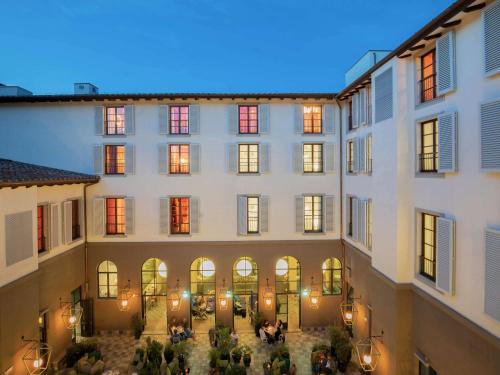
x=269, y=331
x=278, y=334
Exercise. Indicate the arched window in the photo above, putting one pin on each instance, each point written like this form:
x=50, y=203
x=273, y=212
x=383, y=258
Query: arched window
x=245, y=277
x=154, y=277
x=332, y=276
x=107, y=279
x=202, y=277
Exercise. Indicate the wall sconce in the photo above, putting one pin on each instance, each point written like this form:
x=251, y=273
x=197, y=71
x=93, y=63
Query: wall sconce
x=36, y=358
x=174, y=299
x=368, y=354
x=268, y=296
x=348, y=311
x=314, y=296
x=71, y=315
x=224, y=296
x=124, y=297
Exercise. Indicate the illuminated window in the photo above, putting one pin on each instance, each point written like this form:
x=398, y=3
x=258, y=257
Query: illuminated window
x=369, y=154
x=332, y=276
x=41, y=213
x=107, y=280
x=428, y=243
x=428, y=76
x=75, y=219
x=312, y=119
x=179, y=119
x=115, y=120
x=179, y=159
x=313, y=158
x=154, y=277
x=252, y=214
x=313, y=213
x=350, y=156
x=115, y=159
x=179, y=215
x=115, y=216
x=248, y=158
x=429, y=146
x=248, y=119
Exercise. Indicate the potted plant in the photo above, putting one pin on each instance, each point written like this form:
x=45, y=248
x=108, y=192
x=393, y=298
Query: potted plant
x=213, y=356
x=344, y=353
x=137, y=325
x=237, y=370
x=247, y=355
x=168, y=353
x=153, y=352
x=257, y=321
x=236, y=355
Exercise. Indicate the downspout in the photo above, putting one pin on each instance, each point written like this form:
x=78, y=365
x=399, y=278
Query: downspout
x=86, y=244
x=341, y=190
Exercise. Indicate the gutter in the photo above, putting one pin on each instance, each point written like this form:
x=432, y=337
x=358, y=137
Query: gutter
x=86, y=244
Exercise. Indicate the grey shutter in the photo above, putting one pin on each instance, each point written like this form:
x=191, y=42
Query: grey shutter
x=445, y=63
x=194, y=158
x=328, y=119
x=369, y=153
x=99, y=120
x=447, y=142
x=129, y=159
x=492, y=273
x=362, y=107
x=355, y=153
x=383, y=96
x=298, y=158
x=299, y=119
x=99, y=216
x=232, y=119
x=445, y=254
x=54, y=226
x=232, y=158
x=355, y=110
x=355, y=213
x=264, y=214
x=129, y=119
x=98, y=159
x=242, y=215
x=67, y=232
x=362, y=221
x=194, y=214
x=264, y=118
x=129, y=215
x=163, y=119
x=362, y=155
x=490, y=136
x=265, y=157
x=164, y=215
x=329, y=209
x=163, y=158
x=347, y=214
x=329, y=157
x=194, y=119
x=491, y=25
x=299, y=214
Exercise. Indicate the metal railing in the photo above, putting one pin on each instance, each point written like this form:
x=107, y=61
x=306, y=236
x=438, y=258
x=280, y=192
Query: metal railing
x=427, y=162
x=426, y=89
x=428, y=268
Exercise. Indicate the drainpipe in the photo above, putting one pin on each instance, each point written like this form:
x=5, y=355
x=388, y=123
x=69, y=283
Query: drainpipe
x=86, y=244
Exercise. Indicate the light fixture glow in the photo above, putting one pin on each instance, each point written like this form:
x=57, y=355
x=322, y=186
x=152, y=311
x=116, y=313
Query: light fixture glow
x=174, y=298
x=268, y=296
x=367, y=353
x=37, y=363
x=123, y=297
x=244, y=267
x=185, y=294
x=207, y=268
x=281, y=267
x=162, y=270
x=367, y=358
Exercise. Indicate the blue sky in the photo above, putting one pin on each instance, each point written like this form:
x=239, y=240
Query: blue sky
x=198, y=45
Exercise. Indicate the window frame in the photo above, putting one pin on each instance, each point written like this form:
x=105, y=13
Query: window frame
x=248, y=132
x=350, y=156
x=108, y=283
x=349, y=218
x=113, y=163
x=313, y=120
x=117, y=130
x=179, y=165
x=249, y=163
x=41, y=229
x=331, y=283
x=313, y=161
x=350, y=121
x=314, y=214
x=75, y=220
x=257, y=231
x=432, y=247
x=422, y=158
x=116, y=217
x=422, y=79
x=179, y=120
x=180, y=215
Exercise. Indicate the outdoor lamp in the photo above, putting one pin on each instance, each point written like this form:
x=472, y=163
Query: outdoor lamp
x=224, y=295
x=268, y=296
x=124, y=297
x=348, y=310
x=71, y=314
x=36, y=358
x=368, y=354
x=174, y=299
x=314, y=295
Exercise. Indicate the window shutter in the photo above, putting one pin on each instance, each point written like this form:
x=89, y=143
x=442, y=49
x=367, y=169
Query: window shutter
x=264, y=214
x=383, y=96
x=194, y=157
x=129, y=119
x=299, y=214
x=362, y=155
x=194, y=119
x=99, y=221
x=347, y=214
x=99, y=120
x=445, y=63
x=362, y=107
x=445, y=254
x=329, y=157
x=54, y=225
x=129, y=159
x=98, y=160
x=265, y=157
x=232, y=158
x=369, y=153
x=355, y=110
x=194, y=214
x=490, y=136
x=163, y=158
x=355, y=162
x=362, y=221
x=355, y=220
x=164, y=215
x=298, y=155
x=447, y=142
x=299, y=119
x=129, y=215
x=67, y=222
x=264, y=118
x=242, y=215
x=163, y=119
x=328, y=119
x=492, y=273
x=232, y=119
x=491, y=24
x=329, y=210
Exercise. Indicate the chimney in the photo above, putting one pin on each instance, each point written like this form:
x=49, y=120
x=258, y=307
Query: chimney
x=86, y=89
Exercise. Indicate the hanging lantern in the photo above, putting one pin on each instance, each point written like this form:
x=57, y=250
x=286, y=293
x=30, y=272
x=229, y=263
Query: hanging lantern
x=124, y=297
x=348, y=311
x=36, y=358
x=224, y=295
x=314, y=296
x=368, y=354
x=268, y=296
x=71, y=315
x=174, y=299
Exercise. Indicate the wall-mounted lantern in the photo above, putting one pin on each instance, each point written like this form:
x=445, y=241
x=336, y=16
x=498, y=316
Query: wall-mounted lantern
x=348, y=311
x=314, y=296
x=71, y=314
x=36, y=358
x=268, y=296
x=224, y=296
x=124, y=298
x=174, y=298
x=367, y=352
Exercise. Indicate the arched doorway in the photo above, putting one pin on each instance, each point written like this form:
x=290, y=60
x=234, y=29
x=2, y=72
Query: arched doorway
x=288, y=292
x=203, y=304
x=245, y=293
x=154, y=295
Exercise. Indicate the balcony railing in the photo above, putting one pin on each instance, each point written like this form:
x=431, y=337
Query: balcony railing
x=428, y=268
x=427, y=162
x=426, y=89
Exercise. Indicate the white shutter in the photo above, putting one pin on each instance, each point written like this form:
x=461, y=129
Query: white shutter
x=164, y=215
x=67, y=211
x=129, y=215
x=232, y=158
x=383, y=96
x=445, y=254
x=98, y=159
x=242, y=215
x=329, y=157
x=347, y=214
x=355, y=213
x=369, y=153
x=264, y=214
x=264, y=118
x=163, y=158
x=445, y=63
x=194, y=119
x=99, y=120
x=329, y=210
x=298, y=158
x=362, y=221
x=355, y=153
x=355, y=110
x=232, y=119
x=447, y=142
x=99, y=221
x=194, y=157
x=194, y=215
x=299, y=214
x=163, y=119
x=492, y=273
x=328, y=119
x=265, y=157
x=54, y=225
x=491, y=30
x=362, y=155
x=490, y=136
x=129, y=119
x=129, y=159
x=299, y=118
x=362, y=107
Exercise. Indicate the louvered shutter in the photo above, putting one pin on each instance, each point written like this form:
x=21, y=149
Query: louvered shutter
x=299, y=214
x=447, y=142
x=383, y=96
x=163, y=119
x=490, y=136
x=362, y=107
x=329, y=210
x=194, y=158
x=232, y=158
x=328, y=119
x=264, y=118
x=98, y=159
x=67, y=232
x=362, y=155
x=362, y=221
x=491, y=30
x=264, y=214
x=329, y=157
x=445, y=63
x=54, y=225
x=298, y=123
x=194, y=119
x=129, y=119
x=129, y=159
x=194, y=214
x=129, y=215
x=355, y=110
x=265, y=157
x=163, y=158
x=355, y=213
x=355, y=153
x=298, y=155
x=99, y=221
x=99, y=120
x=164, y=215
x=232, y=119
x=445, y=254
x=492, y=273
x=242, y=215
x=347, y=214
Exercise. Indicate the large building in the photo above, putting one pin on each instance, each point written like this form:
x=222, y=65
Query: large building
x=383, y=199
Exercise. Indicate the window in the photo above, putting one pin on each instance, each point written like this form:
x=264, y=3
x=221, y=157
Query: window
x=179, y=159
x=42, y=326
x=115, y=216
x=115, y=159
x=313, y=213
x=332, y=276
x=349, y=218
x=252, y=215
x=313, y=158
x=425, y=369
x=428, y=249
x=41, y=213
x=75, y=219
x=349, y=118
x=369, y=224
x=248, y=119
x=179, y=119
x=428, y=146
x=179, y=215
x=350, y=156
x=107, y=280
x=313, y=119
x=369, y=154
x=248, y=158
x=115, y=120
x=428, y=76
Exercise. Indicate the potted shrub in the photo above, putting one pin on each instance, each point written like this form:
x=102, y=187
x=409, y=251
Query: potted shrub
x=247, y=355
x=257, y=321
x=344, y=353
x=168, y=353
x=153, y=352
x=236, y=355
x=237, y=370
x=137, y=325
x=213, y=356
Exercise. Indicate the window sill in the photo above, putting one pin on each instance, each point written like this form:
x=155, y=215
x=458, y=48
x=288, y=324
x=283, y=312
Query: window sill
x=249, y=234
x=313, y=134
x=313, y=233
x=114, y=175
x=115, y=236
x=114, y=135
x=178, y=135
x=426, y=281
x=248, y=134
x=429, y=174
x=438, y=99
x=313, y=173
x=178, y=174
x=248, y=174
x=183, y=235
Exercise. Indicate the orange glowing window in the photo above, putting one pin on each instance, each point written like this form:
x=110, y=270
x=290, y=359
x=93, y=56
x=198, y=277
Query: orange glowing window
x=115, y=216
x=428, y=76
x=178, y=159
x=115, y=159
x=179, y=215
x=312, y=119
x=248, y=119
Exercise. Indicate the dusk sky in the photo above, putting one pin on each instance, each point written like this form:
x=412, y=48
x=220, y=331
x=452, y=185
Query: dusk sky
x=198, y=45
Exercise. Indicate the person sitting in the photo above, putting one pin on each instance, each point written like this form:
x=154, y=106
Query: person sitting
x=269, y=331
x=263, y=335
x=176, y=338
x=234, y=337
x=278, y=334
